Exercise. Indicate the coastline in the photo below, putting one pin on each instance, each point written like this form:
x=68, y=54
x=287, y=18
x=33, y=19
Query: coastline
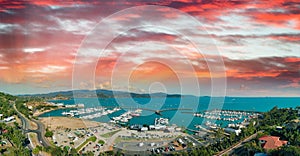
x=38, y=114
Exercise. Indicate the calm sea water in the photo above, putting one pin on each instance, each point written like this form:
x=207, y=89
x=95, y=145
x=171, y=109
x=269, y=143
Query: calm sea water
x=180, y=117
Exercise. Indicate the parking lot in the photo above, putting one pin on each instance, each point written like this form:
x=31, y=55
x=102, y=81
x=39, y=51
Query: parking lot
x=75, y=137
x=128, y=141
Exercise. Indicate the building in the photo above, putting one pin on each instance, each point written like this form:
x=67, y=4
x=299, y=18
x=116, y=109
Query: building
x=271, y=142
x=141, y=144
x=157, y=127
x=143, y=129
x=30, y=107
x=58, y=104
x=170, y=129
x=231, y=130
x=136, y=127
x=75, y=106
x=279, y=128
x=8, y=119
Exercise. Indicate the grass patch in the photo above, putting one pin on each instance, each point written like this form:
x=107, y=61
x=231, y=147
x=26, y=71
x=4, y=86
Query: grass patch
x=92, y=138
x=101, y=142
x=33, y=138
x=109, y=134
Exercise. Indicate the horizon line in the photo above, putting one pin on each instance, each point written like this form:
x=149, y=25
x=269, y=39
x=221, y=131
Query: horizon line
x=35, y=94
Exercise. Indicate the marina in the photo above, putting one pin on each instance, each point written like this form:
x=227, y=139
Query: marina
x=90, y=113
x=230, y=112
x=125, y=117
x=226, y=115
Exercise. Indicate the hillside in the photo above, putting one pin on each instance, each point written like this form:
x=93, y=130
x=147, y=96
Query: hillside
x=97, y=93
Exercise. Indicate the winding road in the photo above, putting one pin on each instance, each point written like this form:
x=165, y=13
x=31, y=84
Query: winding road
x=40, y=131
x=229, y=150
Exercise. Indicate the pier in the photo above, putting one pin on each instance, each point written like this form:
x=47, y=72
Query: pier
x=158, y=112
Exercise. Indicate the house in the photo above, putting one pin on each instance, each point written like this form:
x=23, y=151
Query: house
x=30, y=107
x=271, y=142
x=279, y=128
x=3, y=142
x=4, y=131
x=8, y=119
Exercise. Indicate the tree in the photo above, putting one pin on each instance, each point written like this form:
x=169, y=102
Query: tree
x=219, y=133
x=286, y=151
x=36, y=150
x=232, y=138
x=48, y=133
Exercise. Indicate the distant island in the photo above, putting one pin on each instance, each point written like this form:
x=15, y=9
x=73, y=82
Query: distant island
x=100, y=93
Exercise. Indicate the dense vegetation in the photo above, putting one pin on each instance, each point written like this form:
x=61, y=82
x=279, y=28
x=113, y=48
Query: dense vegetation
x=278, y=117
x=48, y=133
x=5, y=107
x=222, y=142
x=16, y=138
x=60, y=151
x=286, y=118
x=12, y=132
x=22, y=108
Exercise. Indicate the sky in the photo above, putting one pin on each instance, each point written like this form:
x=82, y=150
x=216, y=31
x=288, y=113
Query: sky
x=198, y=47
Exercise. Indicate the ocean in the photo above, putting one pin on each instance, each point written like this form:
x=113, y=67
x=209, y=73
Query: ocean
x=179, y=117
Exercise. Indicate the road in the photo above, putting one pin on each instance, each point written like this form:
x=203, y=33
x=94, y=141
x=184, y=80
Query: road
x=40, y=131
x=110, y=141
x=229, y=150
x=24, y=120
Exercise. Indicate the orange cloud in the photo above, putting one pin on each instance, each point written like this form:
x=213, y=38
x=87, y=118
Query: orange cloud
x=280, y=20
x=250, y=75
x=12, y=75
x=153, y=71
x=292, y=59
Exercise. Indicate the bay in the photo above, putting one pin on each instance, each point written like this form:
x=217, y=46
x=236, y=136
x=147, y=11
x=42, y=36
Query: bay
x=179, y=117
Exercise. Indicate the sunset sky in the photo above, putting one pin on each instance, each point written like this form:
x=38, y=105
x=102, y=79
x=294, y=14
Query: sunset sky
x=253, y=45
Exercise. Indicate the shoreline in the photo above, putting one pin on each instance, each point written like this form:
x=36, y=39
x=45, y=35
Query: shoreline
x=53, y=109
x=37, y=114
